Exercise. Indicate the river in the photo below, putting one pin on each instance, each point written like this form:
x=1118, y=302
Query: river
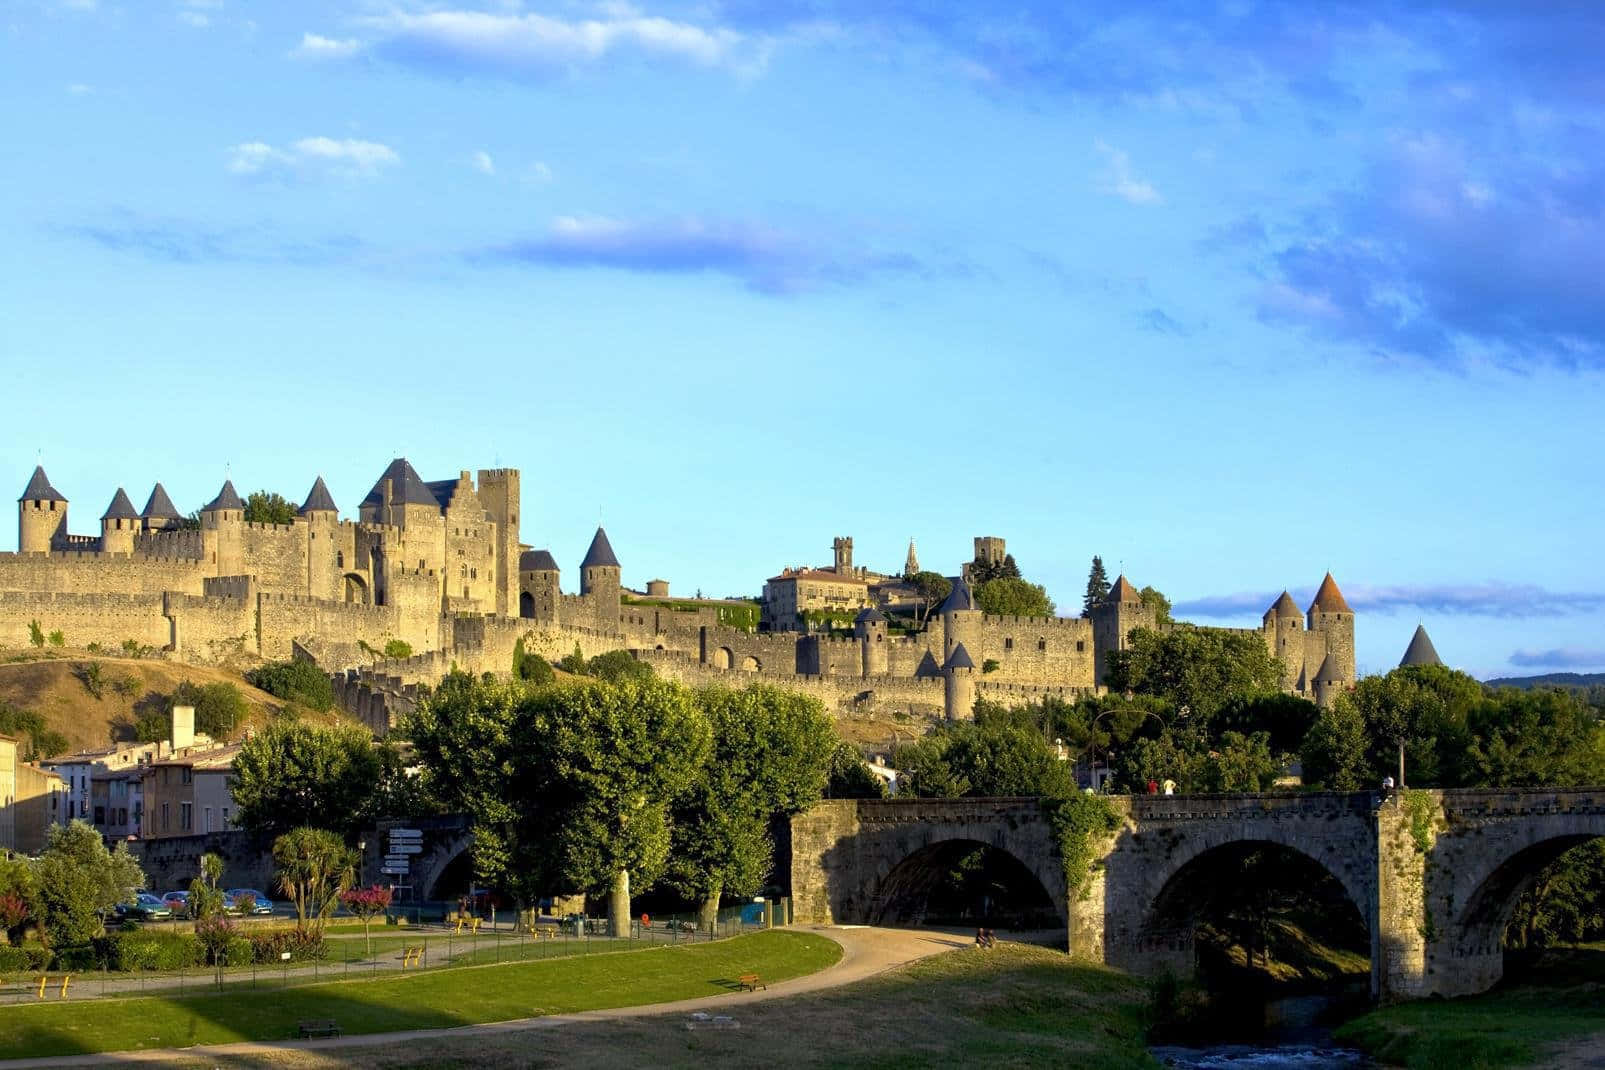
x=1294, y=1038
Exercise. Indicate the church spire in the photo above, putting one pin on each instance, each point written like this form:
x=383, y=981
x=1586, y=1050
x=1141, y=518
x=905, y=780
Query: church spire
x=912, y=565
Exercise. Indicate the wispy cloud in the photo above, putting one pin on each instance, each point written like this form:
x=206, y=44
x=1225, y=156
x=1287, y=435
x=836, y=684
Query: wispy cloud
x=1560, y=658
x=536, y=46
x=1116, y=177
x=1161, y=322
x=317, y=47
x=767, y=259
x=195, y=12
x=482, y=163
x=343, y=157
x=182, y=241
x=1503, y=600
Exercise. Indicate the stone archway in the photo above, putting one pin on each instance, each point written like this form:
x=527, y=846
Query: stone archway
x=724, y=658
x=526, y=605
x=1480, y=926
x=355, y=589
x=751, y=664
x=905, y=894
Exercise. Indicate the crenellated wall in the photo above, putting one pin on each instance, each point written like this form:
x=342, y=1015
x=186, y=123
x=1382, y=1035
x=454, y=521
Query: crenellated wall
x=107, y=619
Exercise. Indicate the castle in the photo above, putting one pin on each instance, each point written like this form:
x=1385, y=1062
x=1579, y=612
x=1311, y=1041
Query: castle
x=438, y=566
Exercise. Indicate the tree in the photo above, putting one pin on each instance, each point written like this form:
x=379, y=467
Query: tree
x=293, y=774
x=850, y=776
x=933, y=587
x=219, y=708
x=315, y=867
x=367, y=904
x=531, y=667
x=1334, y=749
x=1157, y=604
x=294, y=681
x=617, y=665
x=569, y=786
x=268, y=507
x=771, y=755
x=1097, y=586
x=80, y=883
x=1013, y=597
x=983, y=758
x=1241, y=763
x=205, y=897
x=1199, y=669
x=1533, y=739
x=19, y=896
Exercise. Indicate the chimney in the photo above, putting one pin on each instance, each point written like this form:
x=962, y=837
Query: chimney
x=183, y=727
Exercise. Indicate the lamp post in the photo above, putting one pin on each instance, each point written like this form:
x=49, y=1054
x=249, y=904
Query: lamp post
x=1092, y=733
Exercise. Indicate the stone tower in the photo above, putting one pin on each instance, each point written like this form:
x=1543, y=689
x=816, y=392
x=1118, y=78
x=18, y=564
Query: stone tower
x=1420, y=651
x=1331, y=628
x=870, y=629
x=843, y=547
x=990, y=549
x=326, y=563
x=961, y=621
x=911, y=565
x=222, y=521
x=601, y=580
x=499, y=493
x=1328, y=682
x=958, y=677
x=1112, y=622
x=539, y=592
x=41, y=515
x=118, y=525
x=160, y=514
x=1283, y=626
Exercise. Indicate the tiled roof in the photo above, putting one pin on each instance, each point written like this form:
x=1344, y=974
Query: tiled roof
x=820, y=574
x=959, y=599
x=1122, y=591
x=1329, y=599
x=406, y=487
x=1284, y=607
x=1420, y=651
x=226, y=498
x=959, y=659
x=1329, y=668
x=537, y=561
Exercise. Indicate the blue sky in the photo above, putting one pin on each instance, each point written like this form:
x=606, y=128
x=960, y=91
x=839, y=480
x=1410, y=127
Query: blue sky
x=1231, y=295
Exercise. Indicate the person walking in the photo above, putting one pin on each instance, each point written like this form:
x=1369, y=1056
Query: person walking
x=1153, y=786
x=1169, y=786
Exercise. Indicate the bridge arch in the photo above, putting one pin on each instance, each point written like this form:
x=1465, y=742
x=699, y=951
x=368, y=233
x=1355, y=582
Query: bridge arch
x=428, y=868
x=903, y=893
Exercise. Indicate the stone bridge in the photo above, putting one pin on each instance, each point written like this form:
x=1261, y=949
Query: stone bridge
x=1433, y=875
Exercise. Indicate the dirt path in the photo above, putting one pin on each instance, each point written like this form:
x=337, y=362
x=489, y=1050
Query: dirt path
x=865, y=952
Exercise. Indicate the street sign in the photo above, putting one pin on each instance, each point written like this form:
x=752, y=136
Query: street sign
x=398, y=860
x=406, y=848
x=405, y=834
x=394, y=871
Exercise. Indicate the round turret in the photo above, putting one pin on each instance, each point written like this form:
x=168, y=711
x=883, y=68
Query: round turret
x=958, y=676
x=41, y=515
x=118, y=525
x=870, y=629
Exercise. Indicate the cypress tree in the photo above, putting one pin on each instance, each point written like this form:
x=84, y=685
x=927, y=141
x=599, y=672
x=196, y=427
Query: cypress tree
x=1097, y=586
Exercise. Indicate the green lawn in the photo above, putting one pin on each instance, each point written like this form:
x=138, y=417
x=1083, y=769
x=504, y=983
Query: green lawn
x=1562, y=1000
x=430, y=1000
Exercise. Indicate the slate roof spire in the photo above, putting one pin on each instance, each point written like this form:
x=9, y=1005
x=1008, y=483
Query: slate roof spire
x=120, y=508
x=319, y=500
x=960, y=598
x=959, y=659
x=406, y=487
x=227, y=498
x=537, y=561
x=1284, y=607
x=160, y=506
x=1420, y=651
x=601, y=552
x=1122, y=591
x=39, y=488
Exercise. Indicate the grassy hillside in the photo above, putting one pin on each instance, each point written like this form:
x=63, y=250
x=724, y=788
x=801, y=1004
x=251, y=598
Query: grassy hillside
x=54, y=688
x=1551, y=679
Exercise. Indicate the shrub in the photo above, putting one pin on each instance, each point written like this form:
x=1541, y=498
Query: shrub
x=126, y=686
x=398, y=649
x=58, y=638
x=149, y=950
x=219, y=707
x=94, y=678
x=537, y=670
x=23, y=959
x=268, y=944
x=77, y=959
x=294, y=681
x=36, y=634
x=133, y=649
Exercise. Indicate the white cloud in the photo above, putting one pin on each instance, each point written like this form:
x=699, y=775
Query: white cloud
x=80, y=89
x=194, y=12
x=483, y=163
x=538, y=173
x=314, y=46
x=529, y=44
x=1117, y=179
x=347, y=158
x=194, y=18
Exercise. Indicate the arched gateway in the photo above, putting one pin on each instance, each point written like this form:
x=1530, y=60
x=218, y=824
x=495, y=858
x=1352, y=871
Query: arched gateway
x=1433, y=875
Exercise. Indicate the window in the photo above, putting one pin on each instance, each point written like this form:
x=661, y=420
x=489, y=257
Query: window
x=208, y=819
x=100, y=815
x=1008, y=644
x=165, y=808
x=339, y=559
x=186, y=817
x=225, y=817
x=1081, y=646
x=186, y=775
x=1042, y=644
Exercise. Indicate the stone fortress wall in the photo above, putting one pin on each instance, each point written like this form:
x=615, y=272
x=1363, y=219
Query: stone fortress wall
x=438, y=565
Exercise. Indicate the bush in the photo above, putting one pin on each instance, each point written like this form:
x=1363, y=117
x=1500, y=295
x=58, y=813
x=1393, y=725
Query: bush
x=294, y=681
x=219, y=708
x=94, y=678
x=126, y=686
x=58, y=638
x=36, y=634
x=268, y=944
x=617, y=666
x=23, y=959
x=397, y=649
x=149, y=950
x=77, y=959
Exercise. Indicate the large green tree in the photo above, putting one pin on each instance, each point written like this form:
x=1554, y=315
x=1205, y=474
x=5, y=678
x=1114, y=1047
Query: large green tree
x=315, y=867
x=771, y=755
x=1011, y=596
x=269, y=507
x=933, y=587
x=983, y=757
x=295, y=773
x=80, y=883
x=1196, y=669
x=1097, y=586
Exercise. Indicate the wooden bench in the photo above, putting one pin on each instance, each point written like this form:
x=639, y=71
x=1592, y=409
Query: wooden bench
x=751, y=983
x=318, y=1027
x=412, y=956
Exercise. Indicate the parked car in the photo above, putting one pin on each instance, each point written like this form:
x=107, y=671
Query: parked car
x=178, y=903
x=237, y=898
x=144, y=907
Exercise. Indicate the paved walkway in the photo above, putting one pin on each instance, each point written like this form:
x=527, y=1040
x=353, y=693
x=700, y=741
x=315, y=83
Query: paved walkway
x=865, y=952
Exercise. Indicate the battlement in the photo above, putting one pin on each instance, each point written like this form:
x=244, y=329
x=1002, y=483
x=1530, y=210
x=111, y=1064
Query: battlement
x=97, y=555
x=1066, y=623
x=228, y=586
x=65, y=599
x=171, y=545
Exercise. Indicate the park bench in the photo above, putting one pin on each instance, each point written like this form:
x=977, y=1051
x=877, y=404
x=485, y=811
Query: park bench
x=750, y=982
x=318, y=1027
x=412, y=956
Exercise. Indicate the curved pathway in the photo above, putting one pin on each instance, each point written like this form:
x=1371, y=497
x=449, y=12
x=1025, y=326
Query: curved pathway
x=866, y=952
